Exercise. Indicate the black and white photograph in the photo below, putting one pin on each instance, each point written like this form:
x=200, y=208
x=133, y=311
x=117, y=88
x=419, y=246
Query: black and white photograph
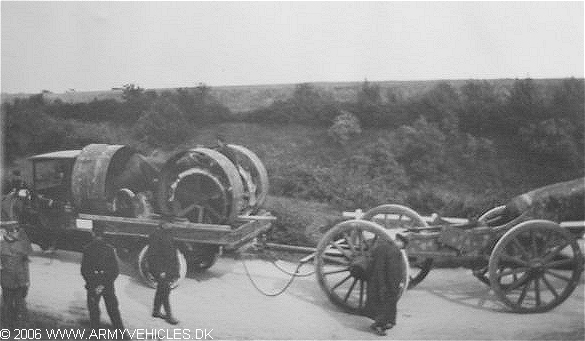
x=292, y=170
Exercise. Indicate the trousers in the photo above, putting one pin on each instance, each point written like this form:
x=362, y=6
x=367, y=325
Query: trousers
x=111, y=301
x=13, y=306
x=161, y=297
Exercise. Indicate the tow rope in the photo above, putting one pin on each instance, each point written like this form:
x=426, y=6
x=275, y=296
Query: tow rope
x=273, y=261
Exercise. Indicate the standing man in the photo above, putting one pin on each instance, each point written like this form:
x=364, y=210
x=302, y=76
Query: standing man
x=163, y=265
x=99, y=268
x=15, y=249
x=385, y=274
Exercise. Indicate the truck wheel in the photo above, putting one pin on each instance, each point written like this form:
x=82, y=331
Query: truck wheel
x=149, y=279
x=201, y=257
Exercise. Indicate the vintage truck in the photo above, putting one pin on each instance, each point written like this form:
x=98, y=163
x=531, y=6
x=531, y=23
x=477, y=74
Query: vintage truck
x=211, y=202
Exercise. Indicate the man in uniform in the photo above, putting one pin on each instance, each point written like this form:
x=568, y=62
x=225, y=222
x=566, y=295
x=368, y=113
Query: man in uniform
x=163, y=265
x=99, y=268
x=15, y=249
x=385, y=274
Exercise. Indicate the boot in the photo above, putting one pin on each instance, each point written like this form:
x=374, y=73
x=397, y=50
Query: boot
x=171, y=320
x=379, y=330
x=157, y=314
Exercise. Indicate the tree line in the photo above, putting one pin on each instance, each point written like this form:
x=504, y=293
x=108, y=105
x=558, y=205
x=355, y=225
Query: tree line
x=545, y=121
x=548, y=122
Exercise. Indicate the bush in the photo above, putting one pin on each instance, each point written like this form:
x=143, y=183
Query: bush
x=163, y=125
x=553, y=139
x=298, y=181
x=345, y=126
x=300, y=222
x=428, y=198
x=421, y=149
x=29, y=131
x=79, y=134
x=306, y=106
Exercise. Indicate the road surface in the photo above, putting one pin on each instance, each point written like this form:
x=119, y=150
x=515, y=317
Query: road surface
x=449, y=304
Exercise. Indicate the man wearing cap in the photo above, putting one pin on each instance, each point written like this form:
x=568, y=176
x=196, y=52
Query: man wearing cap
x=163, y=265
x=99, y=268
x=15, y=249
x=385, y=274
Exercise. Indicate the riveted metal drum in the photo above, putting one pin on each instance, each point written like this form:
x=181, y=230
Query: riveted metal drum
x=201, y=185
x=94, y=174
x=254, y=177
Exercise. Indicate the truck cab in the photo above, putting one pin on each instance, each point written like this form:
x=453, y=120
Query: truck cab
x=51, y=175
x=44, y=208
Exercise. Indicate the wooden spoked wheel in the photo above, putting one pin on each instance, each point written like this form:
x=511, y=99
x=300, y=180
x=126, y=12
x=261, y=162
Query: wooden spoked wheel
x=254, y=176
x=397, y=218
x=149, y=279
x=535, y=266
x=198, y=196
x=342, y=259
x=214, y=177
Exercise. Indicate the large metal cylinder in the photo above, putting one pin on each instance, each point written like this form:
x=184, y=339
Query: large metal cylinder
x=254, y=177
x=93, y=180
x=202, y=185
x=557, y=202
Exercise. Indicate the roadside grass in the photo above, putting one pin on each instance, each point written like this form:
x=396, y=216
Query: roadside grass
x=300, y=222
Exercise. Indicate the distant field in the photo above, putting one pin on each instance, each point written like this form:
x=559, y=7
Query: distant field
x=249, y=97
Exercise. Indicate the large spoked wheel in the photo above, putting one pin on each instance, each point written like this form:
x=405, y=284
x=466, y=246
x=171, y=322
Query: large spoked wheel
x=199, y=196
x=535, y=266
x=216, y=179
x=149, y=279
x=342, y=260
x=395, y=218
x=254, y=176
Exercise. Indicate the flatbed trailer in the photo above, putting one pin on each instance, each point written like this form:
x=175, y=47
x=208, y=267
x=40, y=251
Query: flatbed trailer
x=227, y=236
x=198, y=244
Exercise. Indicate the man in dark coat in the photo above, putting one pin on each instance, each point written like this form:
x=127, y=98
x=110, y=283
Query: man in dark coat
x=163, y=265
x=15, y=278
x=385, y=273
x=99, y=268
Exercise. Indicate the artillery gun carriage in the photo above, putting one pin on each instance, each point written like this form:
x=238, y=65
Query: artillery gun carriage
x=531, y=264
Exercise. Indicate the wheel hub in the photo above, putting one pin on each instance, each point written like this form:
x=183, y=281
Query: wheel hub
x=536, y=265
x=359, y=268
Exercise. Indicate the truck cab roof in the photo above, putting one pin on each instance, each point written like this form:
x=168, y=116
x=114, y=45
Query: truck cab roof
x=62, y=154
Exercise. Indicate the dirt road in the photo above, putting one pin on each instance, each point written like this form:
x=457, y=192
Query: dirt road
x=449, y=304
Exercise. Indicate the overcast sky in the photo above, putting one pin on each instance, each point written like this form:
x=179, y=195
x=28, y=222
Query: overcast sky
x=99, y=45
